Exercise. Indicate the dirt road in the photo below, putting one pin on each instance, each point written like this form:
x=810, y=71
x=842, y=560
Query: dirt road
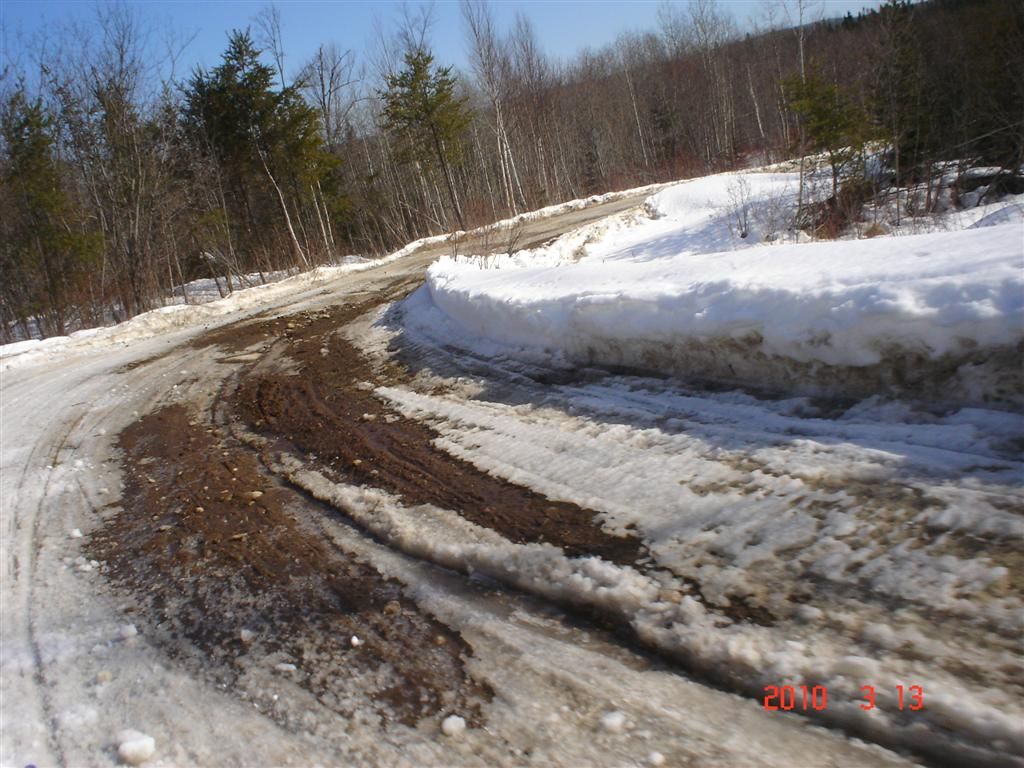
x=199, y=544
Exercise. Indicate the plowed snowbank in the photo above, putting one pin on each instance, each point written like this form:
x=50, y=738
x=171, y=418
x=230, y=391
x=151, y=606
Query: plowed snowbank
x=683, y=294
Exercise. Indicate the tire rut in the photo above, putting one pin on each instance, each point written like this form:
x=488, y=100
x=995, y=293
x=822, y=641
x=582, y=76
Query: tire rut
x=326, y=409
x=214, y=555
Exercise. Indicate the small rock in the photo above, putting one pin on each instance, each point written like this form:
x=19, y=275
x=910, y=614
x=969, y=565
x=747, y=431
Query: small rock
x=356, y=642
x=285, y=667
x=255, y=494
x=76, y=533
x=247, y=636
x=393, y=608
x=613, y=722
x=656, y=758
x=453, y=726
x=128, y=631
x=135, y=748
x=104, y=676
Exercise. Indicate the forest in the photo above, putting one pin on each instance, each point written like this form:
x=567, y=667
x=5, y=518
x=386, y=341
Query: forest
x=122, y=183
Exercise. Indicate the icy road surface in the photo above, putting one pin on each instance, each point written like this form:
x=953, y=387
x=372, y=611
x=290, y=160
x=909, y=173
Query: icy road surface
x=280, y=532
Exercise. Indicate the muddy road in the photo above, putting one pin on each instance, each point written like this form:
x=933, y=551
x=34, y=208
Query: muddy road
x=201, y=543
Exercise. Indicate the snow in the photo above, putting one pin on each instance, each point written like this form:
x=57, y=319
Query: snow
x=453, y=726
x=757, y=540
x=205, y=301
x=613, y=722
x=135, y=748
x=822, y=519
x=881, y=504
x=681, y=292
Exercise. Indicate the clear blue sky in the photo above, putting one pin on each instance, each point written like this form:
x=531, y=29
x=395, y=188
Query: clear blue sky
x=563, y=27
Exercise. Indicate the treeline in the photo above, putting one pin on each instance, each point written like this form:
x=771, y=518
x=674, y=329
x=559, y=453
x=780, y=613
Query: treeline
x=121, y=181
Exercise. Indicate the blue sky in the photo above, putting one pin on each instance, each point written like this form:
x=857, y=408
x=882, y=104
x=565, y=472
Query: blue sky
x=563, y=27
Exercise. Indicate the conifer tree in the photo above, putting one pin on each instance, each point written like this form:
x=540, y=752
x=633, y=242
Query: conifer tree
x=422, y=110
x=254, y=132
x=42, y=257
x=833, y=122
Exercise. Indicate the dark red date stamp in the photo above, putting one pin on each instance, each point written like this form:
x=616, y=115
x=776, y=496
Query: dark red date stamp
x=803, y=698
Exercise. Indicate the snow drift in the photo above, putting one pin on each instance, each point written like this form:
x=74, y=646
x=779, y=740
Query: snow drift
x=938, y=314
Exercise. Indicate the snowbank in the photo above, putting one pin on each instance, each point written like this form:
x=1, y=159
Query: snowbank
x=178, y=316
x=683, y=294
x=205, y=306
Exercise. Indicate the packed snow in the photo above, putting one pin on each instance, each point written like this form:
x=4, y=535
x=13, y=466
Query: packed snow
x=822, y=523
x=681, y=292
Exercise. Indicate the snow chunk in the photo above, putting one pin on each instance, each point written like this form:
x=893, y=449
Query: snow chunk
x=613, y=722
x=128, y=631
x=453, y=726
x=135, y=748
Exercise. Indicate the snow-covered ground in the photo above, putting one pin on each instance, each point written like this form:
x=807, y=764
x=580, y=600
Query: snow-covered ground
x=789, y=541
x=681, y=292
x=866, y=540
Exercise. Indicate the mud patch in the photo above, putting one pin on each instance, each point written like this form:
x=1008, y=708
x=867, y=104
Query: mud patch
x=230, y=583
x=329, y=413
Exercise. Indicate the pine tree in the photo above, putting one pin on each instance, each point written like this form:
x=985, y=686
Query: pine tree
x=42, y=257
x=833, y=122
x=256, y=134
x=423, y=112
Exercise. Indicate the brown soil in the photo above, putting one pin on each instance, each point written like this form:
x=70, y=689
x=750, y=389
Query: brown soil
x=323, y=412
x=208, y=547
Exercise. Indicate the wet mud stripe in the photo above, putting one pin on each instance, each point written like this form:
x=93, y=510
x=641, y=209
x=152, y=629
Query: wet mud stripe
x=208, y=548
x=327, y=410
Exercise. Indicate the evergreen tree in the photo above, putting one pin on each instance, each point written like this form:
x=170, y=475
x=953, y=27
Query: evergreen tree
x=256, y=134
x=42, y=257
x=423, y=112
x=833, y=122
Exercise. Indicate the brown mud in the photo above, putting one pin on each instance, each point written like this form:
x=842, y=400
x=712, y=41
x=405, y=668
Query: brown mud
x=210, y=549
x=326, y=409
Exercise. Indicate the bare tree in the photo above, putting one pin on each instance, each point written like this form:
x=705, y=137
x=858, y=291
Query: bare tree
x=328, y=81
x=490, y=63
x=268, y=22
